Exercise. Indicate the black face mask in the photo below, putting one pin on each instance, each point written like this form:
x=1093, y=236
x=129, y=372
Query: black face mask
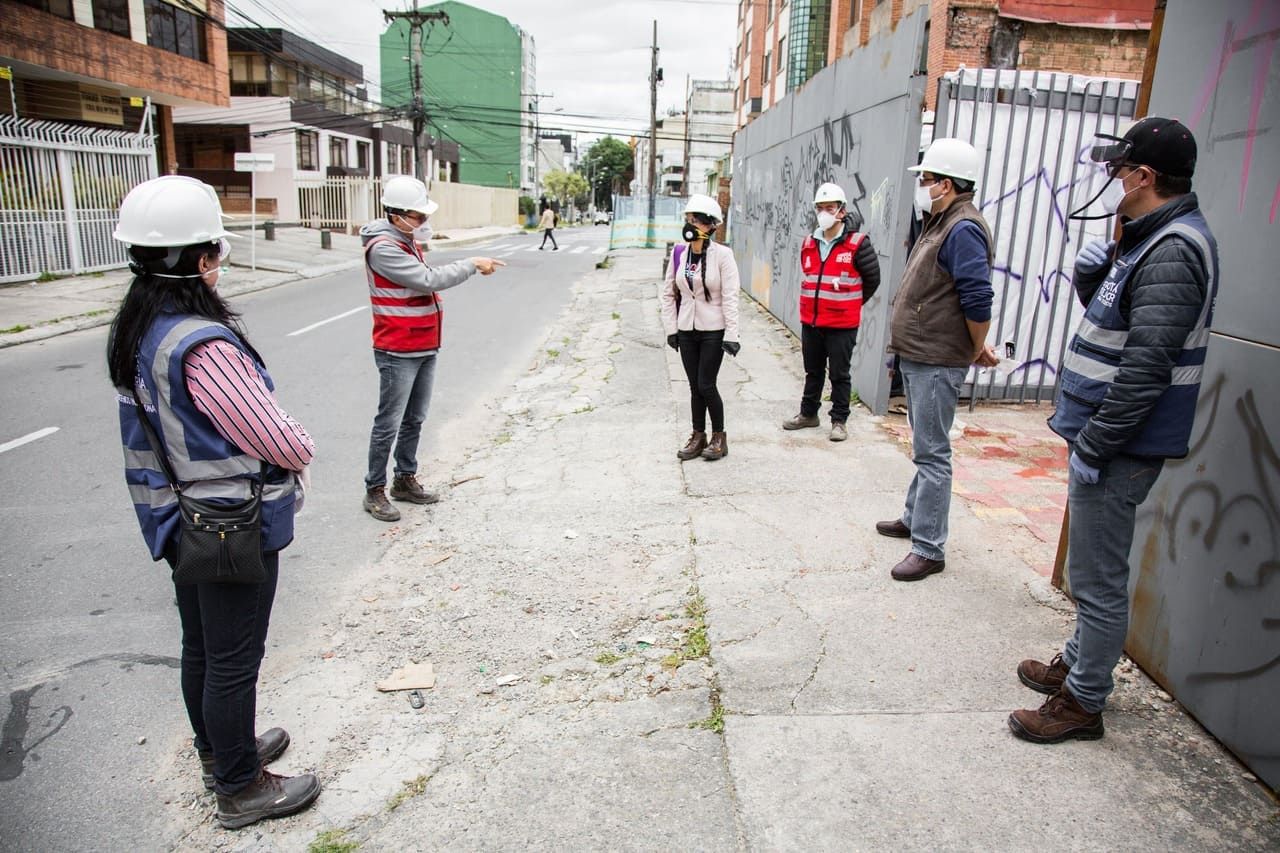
x=691, y=233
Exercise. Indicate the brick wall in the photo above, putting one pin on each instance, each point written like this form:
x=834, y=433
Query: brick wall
x=38, y=38
x=1082, y=50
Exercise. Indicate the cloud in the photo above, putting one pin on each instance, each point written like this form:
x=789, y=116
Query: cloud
x=594, y=56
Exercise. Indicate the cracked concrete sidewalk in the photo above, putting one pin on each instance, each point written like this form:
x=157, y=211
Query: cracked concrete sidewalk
x=564, y=588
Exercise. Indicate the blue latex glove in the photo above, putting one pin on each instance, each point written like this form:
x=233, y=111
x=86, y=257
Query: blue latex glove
x=731, y=347
x=1095, y=255
x=1084, y=471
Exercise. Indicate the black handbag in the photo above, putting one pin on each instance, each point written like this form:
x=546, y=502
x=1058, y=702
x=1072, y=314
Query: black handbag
x=218, y=542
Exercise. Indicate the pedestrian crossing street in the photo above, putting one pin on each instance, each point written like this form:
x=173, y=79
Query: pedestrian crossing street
x=503, y=250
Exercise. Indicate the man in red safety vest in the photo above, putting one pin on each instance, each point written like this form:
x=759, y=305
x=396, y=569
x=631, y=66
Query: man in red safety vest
x=407, y=318
x=839, y=271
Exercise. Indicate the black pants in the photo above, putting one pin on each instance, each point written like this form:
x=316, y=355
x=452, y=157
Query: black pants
x=224, y=635
x=701, y=354
x=547, y=235
x=823, y=350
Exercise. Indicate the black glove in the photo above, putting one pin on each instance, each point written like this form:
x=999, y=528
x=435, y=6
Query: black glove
x=673, y=341
x=731, y=347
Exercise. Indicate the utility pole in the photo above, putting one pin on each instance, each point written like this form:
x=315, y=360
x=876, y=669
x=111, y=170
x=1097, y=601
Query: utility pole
x=418, y=110
x=537, y=131
x=688, y=130
x=655, y=76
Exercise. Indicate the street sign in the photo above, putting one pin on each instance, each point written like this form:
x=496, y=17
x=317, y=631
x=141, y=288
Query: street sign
x=255, y=162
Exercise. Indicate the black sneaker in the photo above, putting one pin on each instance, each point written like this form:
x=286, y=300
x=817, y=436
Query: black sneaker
x=266, y=797
x=377, y=505
x=271, y=744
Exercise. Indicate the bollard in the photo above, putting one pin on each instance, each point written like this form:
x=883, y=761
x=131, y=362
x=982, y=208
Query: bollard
x=666, y=258
x=268, y=230
x=326, y=239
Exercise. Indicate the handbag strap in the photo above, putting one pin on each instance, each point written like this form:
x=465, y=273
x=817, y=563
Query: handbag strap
x=255, y=488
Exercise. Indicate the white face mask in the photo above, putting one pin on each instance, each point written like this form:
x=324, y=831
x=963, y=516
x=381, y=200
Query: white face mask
x=826, y=220
x=924, y=200
x=423, y=232
x=1113, y=196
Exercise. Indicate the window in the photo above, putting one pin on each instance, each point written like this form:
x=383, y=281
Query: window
x=393, y=158
x=308, y=150
x=61, y=8
x=781, y=54
x=855, y=12
x=362, y=155
x=768, y=11
x=175, y=30
x=112, y=16
x=765, y=66
x=406, y=160
x=337, y=151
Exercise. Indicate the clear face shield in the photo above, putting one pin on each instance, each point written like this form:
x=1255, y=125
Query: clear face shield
x=1099, y=186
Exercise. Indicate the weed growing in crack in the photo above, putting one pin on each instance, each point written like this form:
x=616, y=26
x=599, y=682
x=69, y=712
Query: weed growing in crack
x=412, y=788
x=546, y=679
x=20, y=327
x=553, y=353
x=584, y=409
x=608, y=658
x=332, y=841
x=502, y=438
x=714, y=723
x=617, y=316
x=696, y=645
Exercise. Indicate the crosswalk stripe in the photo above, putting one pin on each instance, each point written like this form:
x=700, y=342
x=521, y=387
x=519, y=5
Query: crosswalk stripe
x=578, y=250
x=598, y=250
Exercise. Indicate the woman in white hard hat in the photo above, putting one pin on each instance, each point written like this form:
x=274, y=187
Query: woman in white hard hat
x=176, y=347
x=700, y=315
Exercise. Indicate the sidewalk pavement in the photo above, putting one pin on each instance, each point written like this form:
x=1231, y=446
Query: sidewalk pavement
x=634, y=654
x=37, y=310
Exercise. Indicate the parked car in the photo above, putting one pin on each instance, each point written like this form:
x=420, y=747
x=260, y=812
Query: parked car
x=603, y=217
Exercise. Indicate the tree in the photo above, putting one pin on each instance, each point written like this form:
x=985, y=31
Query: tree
x=565, y=186
x=606, y=161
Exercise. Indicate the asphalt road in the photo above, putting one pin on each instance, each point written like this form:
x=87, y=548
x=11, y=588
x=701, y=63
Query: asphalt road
x=88, y=630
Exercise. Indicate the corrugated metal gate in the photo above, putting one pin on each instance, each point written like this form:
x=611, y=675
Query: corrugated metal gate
x=1035, y=130
x=60, y=190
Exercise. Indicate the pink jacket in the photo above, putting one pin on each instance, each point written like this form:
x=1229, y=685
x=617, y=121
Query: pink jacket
x=709, y=309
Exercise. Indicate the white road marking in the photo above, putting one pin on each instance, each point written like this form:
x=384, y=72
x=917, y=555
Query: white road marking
x=578, y=250
x=28, y=438
x=306, y=329
x=598, y=250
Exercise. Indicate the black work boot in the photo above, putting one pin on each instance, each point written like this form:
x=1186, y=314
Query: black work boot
x=271, y=744
x=377, y=505
x=405, y=487
x=267, y=796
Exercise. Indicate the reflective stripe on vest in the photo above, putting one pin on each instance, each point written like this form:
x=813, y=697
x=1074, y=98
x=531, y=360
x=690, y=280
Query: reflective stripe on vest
x=831, y=290
x=207, y=465
x=404, y=320
x=1093, y=356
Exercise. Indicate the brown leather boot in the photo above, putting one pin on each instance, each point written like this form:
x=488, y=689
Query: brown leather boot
x=718, y=448
x=1060, y=718
x=271, y=744
x=693, y=447
x=405, y=487
x=916, y=568
x=894, y=528
x=377, y=505
x=1044, y=677
x=267, y=796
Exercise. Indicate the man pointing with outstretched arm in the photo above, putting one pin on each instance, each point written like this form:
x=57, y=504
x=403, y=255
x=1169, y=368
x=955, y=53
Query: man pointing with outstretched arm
x=407, y=317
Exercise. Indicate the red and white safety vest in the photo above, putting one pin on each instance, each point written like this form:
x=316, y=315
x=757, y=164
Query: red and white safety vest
x=831, y=290
x=404, y=320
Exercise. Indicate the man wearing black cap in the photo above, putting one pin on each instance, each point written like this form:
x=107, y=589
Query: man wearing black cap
x=1129, y=385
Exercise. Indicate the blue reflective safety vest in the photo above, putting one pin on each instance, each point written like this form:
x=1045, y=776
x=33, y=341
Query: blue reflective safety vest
x=206, y=464
x=1093, y=357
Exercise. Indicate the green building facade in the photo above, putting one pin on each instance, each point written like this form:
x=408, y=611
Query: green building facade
x=474, y=70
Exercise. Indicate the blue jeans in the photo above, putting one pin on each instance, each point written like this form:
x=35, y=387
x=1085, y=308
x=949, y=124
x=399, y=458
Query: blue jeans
x=1099, y=537
x=932, y=393
x=224, y=635
x=404, y=396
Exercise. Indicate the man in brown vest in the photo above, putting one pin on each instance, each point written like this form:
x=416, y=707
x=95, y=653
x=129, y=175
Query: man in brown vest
x=941, y=315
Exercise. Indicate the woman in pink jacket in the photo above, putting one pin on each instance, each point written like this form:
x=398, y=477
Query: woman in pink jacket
x=700, y=315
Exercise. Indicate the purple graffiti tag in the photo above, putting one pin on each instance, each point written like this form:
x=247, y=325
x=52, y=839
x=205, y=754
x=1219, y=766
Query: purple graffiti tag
x=1027, y=366
x=1260, y=69
x=1275, y=204
x=1008, y=272
x=1046, y=283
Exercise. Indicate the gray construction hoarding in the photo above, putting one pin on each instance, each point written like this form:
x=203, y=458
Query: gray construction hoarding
x=857, y=123
x=1206, y=590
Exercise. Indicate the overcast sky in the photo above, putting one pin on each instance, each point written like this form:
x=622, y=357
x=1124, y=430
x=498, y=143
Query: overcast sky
x=592, y=54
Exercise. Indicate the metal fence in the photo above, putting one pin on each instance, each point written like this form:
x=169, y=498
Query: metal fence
x=60, y=189
x=1035, y=130
x=339, y=204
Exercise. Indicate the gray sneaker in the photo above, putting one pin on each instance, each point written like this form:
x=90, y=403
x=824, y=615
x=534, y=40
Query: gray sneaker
x=838, y=432
x=377, y=505
x=800, y=422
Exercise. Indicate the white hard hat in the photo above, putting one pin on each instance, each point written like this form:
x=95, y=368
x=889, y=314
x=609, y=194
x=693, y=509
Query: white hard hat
x=705, y=205
x=829, y=192
x=406, y=193
x=172, y=210
x=951, y=158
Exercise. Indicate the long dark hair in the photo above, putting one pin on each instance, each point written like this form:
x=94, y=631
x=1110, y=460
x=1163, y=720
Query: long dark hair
x=150, y=295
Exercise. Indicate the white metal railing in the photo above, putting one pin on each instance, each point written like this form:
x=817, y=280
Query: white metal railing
x=339, y=204
x=60, y=190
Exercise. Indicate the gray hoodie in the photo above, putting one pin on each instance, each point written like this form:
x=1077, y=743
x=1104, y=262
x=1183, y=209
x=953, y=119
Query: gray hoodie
x=399, y=266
